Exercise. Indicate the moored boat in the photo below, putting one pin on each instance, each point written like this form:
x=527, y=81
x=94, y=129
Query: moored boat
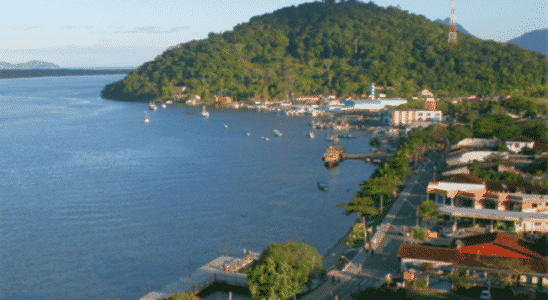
x=152, y=106
x=147, y=118
x=164, y=105
x=277, y=132
x=322, y=186
x=205, y=113
x=311, y=135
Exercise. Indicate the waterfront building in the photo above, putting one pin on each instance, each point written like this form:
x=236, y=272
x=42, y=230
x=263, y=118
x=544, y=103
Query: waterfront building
x=467, y=196
x=475, y=254
x=409, y=116
x=518, y=144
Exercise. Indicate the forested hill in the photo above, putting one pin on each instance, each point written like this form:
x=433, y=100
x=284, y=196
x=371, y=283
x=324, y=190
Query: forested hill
x=334, y=47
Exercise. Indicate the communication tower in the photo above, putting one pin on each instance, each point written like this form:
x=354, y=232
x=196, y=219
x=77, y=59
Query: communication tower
x=453, y=27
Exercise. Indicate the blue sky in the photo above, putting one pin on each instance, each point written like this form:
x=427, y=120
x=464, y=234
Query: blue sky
x=74, y=33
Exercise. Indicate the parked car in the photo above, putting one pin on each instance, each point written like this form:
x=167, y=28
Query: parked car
x=485, y=295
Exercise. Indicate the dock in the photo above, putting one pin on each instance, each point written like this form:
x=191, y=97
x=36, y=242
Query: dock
x=223, y=269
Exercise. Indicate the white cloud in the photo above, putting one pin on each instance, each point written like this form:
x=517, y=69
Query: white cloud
x=84, y=27
x=20, y=27
x=156, y=30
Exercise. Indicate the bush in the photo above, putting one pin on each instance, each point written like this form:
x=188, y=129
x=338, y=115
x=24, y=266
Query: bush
x=419, y=233
x=528, y=151
x=502, y=148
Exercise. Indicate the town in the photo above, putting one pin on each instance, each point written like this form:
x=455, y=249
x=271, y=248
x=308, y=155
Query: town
x=457, y=210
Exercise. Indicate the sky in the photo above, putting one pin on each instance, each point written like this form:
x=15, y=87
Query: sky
x=128, y=33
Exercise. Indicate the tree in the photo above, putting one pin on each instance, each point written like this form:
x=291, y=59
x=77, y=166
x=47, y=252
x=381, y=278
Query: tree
x=427, y=211
x=364, y=206
x=375, y=142
x=505, y=271
x=381, y=186
x=283, y=269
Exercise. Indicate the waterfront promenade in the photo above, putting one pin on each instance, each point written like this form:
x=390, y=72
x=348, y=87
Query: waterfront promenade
x=215, y=271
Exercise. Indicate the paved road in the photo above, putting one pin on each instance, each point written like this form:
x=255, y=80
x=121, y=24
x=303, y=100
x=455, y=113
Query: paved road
x=385, y=260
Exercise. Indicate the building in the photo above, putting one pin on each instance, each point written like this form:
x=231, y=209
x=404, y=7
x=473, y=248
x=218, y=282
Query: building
x=426, y=93
x=374, y=105
x=431, y=105
x=478, y=143
x=475, y=254
x=393, y=102
x=467, y=196
x=409, y=116
x=309, y=99
x=518, y=144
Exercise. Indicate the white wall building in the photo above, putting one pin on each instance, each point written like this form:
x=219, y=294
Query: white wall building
x=405, y=117
x=517, y=144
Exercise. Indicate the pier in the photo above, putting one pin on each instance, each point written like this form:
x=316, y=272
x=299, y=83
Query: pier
x=366, y=155
x=223, y=269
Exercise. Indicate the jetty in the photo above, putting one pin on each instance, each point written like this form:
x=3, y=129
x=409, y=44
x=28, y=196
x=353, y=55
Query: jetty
x=224, y=269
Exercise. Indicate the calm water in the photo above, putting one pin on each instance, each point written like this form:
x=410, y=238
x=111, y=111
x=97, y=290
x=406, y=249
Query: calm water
x=94, y=204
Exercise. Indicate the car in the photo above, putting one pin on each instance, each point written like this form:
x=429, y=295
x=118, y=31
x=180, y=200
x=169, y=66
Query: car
x=485, y=295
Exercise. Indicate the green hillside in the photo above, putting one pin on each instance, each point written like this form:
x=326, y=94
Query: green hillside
x=334, y=47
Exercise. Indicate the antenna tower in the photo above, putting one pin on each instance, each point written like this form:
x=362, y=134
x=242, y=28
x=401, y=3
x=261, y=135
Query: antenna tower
x=453, y=27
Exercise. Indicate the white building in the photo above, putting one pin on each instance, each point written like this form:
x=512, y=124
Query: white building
x=517, y=144
x=405, y=117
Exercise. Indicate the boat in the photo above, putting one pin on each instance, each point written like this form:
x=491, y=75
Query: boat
x=169, y=102
x=226, y=126
x=205, y=113
x=164, y=105
x=322, y=186
x=147, y=118
x=152, y=106
x=267, y=139
x=311, y=135
x=248, y=133
x=277, y=132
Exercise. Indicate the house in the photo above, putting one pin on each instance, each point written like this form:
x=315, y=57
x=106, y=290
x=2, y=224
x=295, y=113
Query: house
x=517, y=144
x=475, y=254
x=467, y=156
x=430, y=105
x=467, y=196
x=409, y=116
x=225, y=99
x=426, y=93
x=478, y=143
x=309, y=99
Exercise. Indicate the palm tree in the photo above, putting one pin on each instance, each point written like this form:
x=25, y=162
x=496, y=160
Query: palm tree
x=385, y=185
x=364, y=206
x=428, y=210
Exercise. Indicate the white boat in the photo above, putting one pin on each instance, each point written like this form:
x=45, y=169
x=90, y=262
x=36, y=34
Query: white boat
x=147, y=118
x=152, y=106
x=226, y=126
x=267, y=139
x=311, y=135
x=248, y=133
x=169, y=102
x=164, y=105
x=205, y=113
x=277, y=132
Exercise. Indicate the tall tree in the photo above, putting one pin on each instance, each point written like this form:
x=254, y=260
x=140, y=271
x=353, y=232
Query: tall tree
x=364, y=206
x=427, y=211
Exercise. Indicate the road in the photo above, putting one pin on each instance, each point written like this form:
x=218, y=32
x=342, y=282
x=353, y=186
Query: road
x=384, y=260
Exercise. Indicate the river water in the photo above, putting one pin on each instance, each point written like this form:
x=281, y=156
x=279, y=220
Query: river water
x=94, y=204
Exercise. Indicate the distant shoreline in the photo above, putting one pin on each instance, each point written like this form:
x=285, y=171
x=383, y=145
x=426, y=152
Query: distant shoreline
x=10, y=73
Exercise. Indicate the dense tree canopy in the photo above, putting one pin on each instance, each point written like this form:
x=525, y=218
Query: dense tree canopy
x=283, y=269
x=334, y=47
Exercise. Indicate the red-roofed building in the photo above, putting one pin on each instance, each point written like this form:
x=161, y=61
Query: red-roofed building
x=475, y=253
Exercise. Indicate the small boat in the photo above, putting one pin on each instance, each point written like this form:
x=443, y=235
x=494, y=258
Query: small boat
x=322, y=186
x=164, y=105
x=277, y=132
x=311, y=135
x=152, y=106
x=226, y=126
x=267, y=139
x=147, y=118
x=205, y=113
x=248, y=133
x=169, y=102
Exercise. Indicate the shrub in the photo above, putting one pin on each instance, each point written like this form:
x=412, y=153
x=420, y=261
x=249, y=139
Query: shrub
x=183, y=296
x=502, y=148
x=419, y=233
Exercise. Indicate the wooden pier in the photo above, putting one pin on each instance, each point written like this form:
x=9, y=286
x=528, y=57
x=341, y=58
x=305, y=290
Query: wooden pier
x=223, y=269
